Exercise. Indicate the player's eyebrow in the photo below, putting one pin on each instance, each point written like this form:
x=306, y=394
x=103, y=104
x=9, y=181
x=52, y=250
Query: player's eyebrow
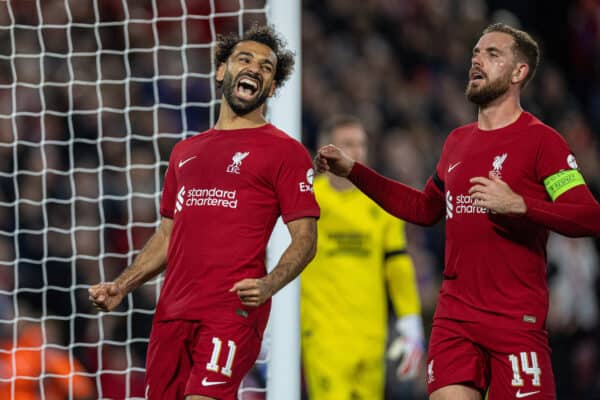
x=265, y=60
x=489, y=49
x=493, y=49
x=244, y=53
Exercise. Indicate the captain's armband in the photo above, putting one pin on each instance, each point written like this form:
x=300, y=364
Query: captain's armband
x=562, y=181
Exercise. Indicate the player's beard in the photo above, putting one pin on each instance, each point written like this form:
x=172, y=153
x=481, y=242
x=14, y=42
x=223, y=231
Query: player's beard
x=240, y=106
x=486, y=93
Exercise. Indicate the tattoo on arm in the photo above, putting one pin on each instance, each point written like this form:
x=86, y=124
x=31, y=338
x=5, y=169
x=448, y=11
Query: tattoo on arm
x=298, y=254
x=150, y=262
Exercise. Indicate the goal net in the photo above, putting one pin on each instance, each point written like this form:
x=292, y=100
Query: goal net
x=93, y=96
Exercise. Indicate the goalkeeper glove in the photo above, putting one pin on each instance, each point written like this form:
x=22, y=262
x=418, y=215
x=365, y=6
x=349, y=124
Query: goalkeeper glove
x=407, y=349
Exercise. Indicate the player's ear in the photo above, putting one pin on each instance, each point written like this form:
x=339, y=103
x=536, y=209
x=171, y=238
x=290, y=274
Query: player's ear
x=272, y=89
x=520, y=73
x=220, y=75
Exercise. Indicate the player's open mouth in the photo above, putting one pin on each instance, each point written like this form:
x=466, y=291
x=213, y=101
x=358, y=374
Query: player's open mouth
x=476, y=76
x=247, y=87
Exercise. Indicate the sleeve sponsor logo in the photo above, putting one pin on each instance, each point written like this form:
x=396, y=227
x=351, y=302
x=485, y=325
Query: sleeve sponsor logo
x=307, y=186
x=572, y=162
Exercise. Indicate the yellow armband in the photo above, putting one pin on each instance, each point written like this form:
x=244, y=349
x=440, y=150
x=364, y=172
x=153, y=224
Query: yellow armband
x=562, y=181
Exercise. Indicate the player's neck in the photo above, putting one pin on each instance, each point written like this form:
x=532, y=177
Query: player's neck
x=499, y=113
x=229, y=120
x=338, y=183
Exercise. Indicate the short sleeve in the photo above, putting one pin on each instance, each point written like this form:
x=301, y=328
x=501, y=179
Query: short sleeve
x=294, y=183
x=167, y=203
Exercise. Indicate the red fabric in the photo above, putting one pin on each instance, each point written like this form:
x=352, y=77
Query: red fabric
x=224, y=191
x=402, y=201
x=574, y=213
x=477, y=355
x=495, y=265
x=180, y=358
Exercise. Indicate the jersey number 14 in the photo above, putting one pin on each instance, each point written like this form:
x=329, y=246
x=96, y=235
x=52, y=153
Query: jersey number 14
x=530, y=368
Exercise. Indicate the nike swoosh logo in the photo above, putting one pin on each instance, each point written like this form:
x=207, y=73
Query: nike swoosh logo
x=520, y=395
x=206, y=382
x=451, y=167
x=181, y=162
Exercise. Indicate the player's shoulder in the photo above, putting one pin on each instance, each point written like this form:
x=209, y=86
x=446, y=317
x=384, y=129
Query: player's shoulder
x=279, y=137
x=457, y=134
x=190, y=140
x=538, y=130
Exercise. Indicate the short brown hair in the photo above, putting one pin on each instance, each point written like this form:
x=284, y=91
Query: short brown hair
x=525, y=47
x=264, y=34
x=336, y=121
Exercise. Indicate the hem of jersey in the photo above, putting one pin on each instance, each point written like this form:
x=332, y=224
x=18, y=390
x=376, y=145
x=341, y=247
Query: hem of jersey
x=301, y=214
x=166, y=213
x=432, y=387
x=253, y=324
x=513, y=326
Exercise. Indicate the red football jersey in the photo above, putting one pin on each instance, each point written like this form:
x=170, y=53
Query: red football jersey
x=225, y=189
x=496, y=265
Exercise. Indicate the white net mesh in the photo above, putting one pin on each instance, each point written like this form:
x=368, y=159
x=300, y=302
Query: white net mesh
x=93, y=95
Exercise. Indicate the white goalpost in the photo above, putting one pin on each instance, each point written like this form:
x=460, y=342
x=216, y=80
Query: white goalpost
x=284, y=363
x=93, y=96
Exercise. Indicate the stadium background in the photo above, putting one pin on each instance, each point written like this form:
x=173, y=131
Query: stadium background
x=399, y=65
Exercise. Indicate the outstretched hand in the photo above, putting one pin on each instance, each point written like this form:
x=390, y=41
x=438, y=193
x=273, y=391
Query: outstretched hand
x=331, y=159
x=106, y=296
x=495, y=195
x=252, y=292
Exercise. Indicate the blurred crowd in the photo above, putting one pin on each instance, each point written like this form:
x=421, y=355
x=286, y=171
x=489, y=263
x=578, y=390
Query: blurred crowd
x=90, y=111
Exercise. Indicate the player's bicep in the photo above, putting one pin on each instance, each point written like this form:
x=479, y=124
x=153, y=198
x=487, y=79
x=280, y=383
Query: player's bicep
x=563, y=181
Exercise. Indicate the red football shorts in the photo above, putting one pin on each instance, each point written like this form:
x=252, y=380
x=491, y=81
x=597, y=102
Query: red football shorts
x=509, y=364
x=199, y=358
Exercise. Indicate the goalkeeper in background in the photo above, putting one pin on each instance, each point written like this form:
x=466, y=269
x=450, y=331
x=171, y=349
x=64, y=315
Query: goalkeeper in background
x=361, y=257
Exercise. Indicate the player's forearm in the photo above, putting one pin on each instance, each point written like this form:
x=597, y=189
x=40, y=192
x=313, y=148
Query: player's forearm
x=402, y=201
x=295, y=258
x=569, y=219
x=150, y=262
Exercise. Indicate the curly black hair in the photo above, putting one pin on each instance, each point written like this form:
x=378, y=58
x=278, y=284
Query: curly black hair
x=264, y=34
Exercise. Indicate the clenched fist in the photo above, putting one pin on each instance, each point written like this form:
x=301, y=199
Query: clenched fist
x=106, y=296
x=331, y=159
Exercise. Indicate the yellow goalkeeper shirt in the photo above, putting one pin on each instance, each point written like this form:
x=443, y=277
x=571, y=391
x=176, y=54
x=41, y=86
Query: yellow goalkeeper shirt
x=361, y=258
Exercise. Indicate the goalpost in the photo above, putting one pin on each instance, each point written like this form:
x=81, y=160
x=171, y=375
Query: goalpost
x=93, y=96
